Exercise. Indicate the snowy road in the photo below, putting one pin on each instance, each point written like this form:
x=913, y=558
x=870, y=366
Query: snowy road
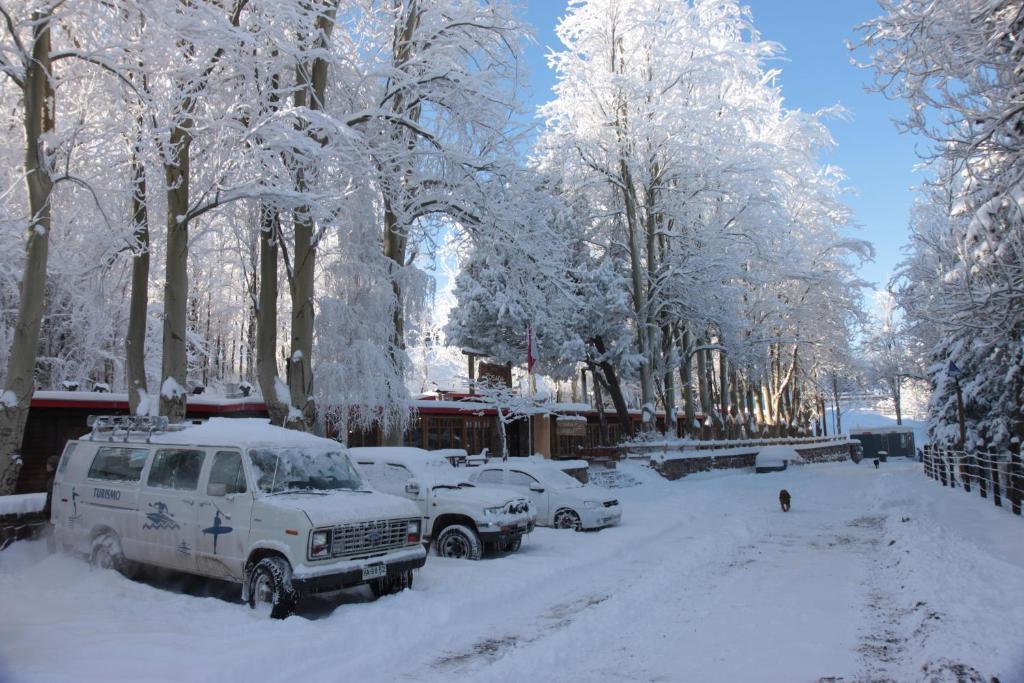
x=873, y=576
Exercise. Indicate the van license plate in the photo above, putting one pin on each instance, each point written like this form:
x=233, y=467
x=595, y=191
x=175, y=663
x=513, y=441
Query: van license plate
x=374, y=571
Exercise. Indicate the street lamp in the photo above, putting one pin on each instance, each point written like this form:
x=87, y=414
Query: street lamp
x=953, y=372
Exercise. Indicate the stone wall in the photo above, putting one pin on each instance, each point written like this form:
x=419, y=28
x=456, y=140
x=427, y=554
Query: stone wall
x=677, y=468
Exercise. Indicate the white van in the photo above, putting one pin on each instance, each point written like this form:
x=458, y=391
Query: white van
x=281, y=512
x=461, y=519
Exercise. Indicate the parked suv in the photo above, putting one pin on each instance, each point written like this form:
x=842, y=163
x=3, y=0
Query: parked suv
x=561, y=500
x=281, y=512
x=461, y=519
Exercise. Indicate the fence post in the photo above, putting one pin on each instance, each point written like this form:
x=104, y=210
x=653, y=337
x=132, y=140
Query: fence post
x=1013, y=475
x=982, y=470
x=942, y=467
x=997, y=498
x=965, y=471
x=954, y=461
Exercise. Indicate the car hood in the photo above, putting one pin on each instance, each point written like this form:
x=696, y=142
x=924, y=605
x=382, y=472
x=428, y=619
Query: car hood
x=484, y=496
x=342, y=507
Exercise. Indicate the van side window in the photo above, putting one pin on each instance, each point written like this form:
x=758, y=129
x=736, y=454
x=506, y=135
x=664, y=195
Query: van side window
x=227, y=470
x=176, y=468
x=66, y=456
x=114, y=463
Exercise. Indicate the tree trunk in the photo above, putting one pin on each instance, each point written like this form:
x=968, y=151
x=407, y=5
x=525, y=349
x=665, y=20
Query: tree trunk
x=19, y=382
x=135, y=338
x=723, y=383
x=835, y=408
x=394, y=250
x=894, y=386
x=602, y=420
x=310, y=91
x=702, y=383
x=174, y=369
x=614, y=389
x=275, y=393
x=686, y=380
x=667, y=342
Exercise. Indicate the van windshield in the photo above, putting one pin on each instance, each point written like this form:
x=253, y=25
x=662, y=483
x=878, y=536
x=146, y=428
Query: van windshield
x=300, y=470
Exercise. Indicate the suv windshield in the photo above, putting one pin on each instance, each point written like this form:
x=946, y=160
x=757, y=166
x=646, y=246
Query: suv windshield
x=280, y=470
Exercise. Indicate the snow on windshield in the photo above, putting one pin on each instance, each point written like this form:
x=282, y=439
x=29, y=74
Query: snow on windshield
x=280, y=470
x=560, y=480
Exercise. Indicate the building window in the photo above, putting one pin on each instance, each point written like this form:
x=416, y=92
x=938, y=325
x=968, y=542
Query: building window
x=444, y=432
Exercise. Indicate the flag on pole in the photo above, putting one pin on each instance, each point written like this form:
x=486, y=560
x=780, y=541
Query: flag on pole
x=531, y=357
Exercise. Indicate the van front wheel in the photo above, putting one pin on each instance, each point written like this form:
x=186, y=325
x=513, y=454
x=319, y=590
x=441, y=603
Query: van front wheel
x=270, y=588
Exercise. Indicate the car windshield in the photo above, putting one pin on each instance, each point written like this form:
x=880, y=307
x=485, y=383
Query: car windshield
x=285, y=470
x=560, y=480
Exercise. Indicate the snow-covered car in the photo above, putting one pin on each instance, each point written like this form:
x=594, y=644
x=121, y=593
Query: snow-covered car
x=560, y=500
x=281, y=512
x=461, y=519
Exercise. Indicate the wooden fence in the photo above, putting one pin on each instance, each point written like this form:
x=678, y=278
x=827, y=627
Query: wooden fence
x=995, y=474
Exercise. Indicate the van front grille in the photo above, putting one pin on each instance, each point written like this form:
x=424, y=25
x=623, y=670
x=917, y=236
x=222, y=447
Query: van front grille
x=368, y=538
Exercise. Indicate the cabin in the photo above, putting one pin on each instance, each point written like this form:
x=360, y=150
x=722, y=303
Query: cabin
x=886, y=442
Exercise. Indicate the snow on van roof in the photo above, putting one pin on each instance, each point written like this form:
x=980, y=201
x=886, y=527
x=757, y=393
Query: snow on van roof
x=395, y=452
x=241, y=431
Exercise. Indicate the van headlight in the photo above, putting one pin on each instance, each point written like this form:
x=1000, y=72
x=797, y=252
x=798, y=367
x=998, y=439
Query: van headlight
x=320, y=544
x=412, y=531
x=494, y=511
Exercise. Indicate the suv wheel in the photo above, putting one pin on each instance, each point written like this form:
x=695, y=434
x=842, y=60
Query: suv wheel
x=458, y=542
x=567, y=519
x=106, y=553
x=389, y=584
x=270, y=587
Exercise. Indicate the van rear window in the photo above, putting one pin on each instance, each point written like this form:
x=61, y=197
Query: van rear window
x=113, y=463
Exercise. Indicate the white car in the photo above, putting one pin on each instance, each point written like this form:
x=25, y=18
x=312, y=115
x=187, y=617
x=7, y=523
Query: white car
x=461, y=519
x=560, y=500
x=281, y=512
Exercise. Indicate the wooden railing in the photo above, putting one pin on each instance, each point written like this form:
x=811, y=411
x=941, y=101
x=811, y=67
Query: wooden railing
x=995, y=473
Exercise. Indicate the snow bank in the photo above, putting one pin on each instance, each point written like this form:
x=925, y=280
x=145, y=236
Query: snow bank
x=22, y=503
x=777, y=456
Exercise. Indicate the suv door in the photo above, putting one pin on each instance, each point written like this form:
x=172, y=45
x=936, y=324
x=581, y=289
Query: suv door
x=225, y=512
x=168, y=515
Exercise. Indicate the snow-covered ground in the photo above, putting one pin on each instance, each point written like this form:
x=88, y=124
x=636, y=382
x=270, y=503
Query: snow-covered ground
x=875, y=575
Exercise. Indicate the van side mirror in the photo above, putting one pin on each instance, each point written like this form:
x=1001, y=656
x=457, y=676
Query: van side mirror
x=536, y=488
x=217, y=490
x=412, y=487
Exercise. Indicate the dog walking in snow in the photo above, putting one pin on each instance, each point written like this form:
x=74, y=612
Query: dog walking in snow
x=784, y=500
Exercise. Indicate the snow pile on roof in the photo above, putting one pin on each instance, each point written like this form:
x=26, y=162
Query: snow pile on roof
x=22, y=503
x=242, y=431
x=776, y=456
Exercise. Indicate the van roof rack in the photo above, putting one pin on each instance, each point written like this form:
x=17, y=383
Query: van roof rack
x=123, y=426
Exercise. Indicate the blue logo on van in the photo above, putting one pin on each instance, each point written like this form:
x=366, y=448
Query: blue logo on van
x=160, y=518
x=217, y=529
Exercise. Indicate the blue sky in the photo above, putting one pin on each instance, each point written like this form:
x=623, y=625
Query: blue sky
x=816, y=72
